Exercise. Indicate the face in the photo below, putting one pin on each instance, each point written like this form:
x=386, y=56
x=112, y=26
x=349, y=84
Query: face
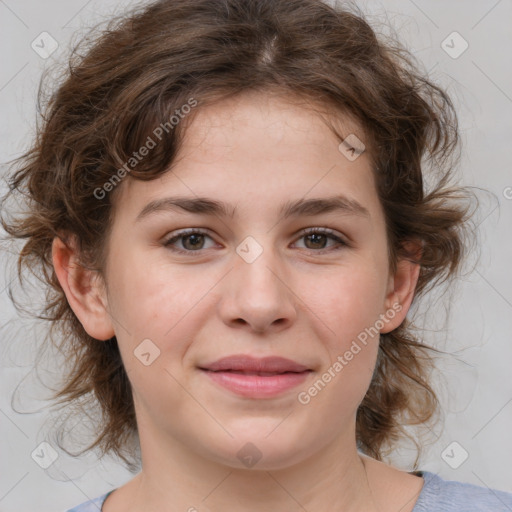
x=187, y=286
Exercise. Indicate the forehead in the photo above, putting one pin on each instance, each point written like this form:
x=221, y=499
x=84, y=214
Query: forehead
x=261, y=148
x=254, y=119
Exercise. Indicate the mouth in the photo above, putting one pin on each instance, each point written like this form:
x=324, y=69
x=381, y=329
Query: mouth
x=256, y=378
x=248, y=372
x=246, y=364
x=256, y=384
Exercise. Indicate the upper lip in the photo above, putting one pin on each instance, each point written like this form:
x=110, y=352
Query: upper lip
x=242, y=362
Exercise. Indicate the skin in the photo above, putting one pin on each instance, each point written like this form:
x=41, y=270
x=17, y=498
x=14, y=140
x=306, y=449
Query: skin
x=255, y=152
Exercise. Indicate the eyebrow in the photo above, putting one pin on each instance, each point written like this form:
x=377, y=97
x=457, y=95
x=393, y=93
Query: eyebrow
x=300, y=207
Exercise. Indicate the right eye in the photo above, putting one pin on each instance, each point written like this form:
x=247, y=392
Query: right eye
x=191, y=239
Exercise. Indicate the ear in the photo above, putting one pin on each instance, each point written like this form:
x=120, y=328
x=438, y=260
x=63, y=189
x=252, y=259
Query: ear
x=401, y=287
x=84, y=290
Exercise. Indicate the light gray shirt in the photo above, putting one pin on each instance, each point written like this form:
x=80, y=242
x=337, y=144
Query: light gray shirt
x=437, y=495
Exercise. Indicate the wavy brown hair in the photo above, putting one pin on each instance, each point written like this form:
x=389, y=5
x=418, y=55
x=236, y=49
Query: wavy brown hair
x=133, y=75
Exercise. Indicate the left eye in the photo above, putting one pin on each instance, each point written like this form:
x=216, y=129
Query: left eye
x=318, y=236
x=193, y=240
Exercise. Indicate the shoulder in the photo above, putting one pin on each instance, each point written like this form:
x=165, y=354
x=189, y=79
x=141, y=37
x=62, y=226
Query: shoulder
x=442, y=495
x=93, y=505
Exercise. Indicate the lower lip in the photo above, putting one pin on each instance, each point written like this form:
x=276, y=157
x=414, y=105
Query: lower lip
x=257, y=386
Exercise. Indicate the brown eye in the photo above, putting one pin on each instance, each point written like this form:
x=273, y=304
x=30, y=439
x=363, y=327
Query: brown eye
x=192, y=240
x=195, y=241
x=317, y=240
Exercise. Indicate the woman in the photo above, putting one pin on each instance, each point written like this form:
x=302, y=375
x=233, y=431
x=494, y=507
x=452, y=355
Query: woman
x=226, y=200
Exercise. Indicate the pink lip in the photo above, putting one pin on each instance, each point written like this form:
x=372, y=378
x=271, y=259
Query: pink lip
x=242, y=362
x=256, y=378
x=257, y=386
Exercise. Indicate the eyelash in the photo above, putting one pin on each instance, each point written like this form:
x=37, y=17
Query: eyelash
x=308, y=231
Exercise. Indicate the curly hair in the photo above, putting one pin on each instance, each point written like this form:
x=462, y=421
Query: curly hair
x=140, y=71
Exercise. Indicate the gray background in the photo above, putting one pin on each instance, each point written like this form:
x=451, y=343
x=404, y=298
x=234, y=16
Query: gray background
x=475, y=385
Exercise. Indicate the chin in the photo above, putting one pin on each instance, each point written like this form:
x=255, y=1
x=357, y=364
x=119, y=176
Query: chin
x=264, y=451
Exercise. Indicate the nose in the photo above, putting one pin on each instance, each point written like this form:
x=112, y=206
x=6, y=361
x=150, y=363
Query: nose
x=258, y=296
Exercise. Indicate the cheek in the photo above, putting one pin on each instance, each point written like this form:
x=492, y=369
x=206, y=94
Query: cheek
x=350, y=307
x=156, y=310
x=157, y=301
x=150, y=294
x=349, y=302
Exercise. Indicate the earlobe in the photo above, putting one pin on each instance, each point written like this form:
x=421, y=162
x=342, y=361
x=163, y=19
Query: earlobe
x=84, y=290
x=401, y=288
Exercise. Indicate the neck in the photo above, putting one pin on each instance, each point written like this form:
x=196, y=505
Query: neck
x=179, y=478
